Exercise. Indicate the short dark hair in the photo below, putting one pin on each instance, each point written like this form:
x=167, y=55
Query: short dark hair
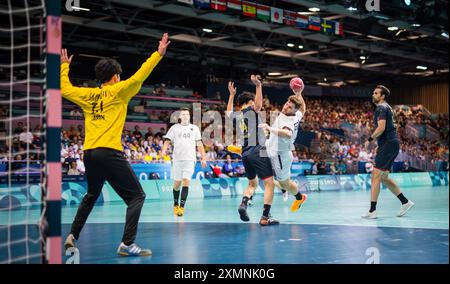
x=106, y=68
x=384, y=91
x=245, y=97
x=295, y=100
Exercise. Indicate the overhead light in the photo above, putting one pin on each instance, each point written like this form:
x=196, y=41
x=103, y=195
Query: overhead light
x=444, y=34
x=274, y=74
x=323, y=84
x=362, y=57
x=314, y=9
x=415, y=25
x=325, y=79
x=300, y=46
x=290, y=44
x=364, y=61
x=393, y=28
x=352, y=9
x=407, y=2
x=207, y=30
x=421, y=67
x=305, y=13
x=353, y=81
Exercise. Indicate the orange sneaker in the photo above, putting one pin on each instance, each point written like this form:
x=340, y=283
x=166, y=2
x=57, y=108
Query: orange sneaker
x=298, y=203
x=175, y=209
x=180, y=211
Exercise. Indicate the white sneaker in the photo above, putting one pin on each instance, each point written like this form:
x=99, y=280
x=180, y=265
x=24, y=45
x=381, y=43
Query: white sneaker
x=369, y=215
x=404, y=208
x=285, y=196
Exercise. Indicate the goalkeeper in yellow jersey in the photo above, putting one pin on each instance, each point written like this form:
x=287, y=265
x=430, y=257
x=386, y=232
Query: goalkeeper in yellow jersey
x=105, y=110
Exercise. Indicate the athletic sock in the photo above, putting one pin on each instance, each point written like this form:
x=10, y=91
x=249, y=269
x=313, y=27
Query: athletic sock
x=176, y=195
x=402, y=198
x=266, y=210
x=373, y=206
x=283, y=191
x=245, y=200
x=184, y=194
x=298, y=196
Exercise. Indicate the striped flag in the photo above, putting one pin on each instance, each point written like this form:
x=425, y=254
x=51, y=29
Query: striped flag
x=302, y=21
x=276, y=15
x=234, y=4
x=190, y=2
x=327, y=26
x=219, y=5
x=314, y=23
x=263, y=12
x=249, y=9
x=289, y=18
x=338, y=28
x=203, y=4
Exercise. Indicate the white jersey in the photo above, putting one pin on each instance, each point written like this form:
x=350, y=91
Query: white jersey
x=276, y=143
x=184, y=139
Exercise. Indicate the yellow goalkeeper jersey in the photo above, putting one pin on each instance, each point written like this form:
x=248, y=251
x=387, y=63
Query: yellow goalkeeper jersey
x=105, y=109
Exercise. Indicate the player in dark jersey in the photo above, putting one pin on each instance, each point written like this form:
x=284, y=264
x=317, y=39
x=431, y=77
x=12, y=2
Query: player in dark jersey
x=388, y=148
x=254, y=158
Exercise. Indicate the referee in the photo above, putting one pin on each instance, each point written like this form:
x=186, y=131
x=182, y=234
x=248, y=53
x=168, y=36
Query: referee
x=105, y=110
x=388, y=148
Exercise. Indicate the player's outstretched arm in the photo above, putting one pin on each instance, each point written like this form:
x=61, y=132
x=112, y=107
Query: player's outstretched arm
x=282, y=132
x=131, y=86
x=256, y=79
x=232, y=91
x=68, y=91
x=300, y=96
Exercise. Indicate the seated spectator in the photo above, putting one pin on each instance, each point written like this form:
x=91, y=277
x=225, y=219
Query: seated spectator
x=73, y=169
x=228, y=168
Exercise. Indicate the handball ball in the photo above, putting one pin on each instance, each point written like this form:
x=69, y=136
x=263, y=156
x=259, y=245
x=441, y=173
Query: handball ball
x=296, y=84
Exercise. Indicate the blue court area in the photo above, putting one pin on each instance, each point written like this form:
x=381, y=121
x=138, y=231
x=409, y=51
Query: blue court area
x=327, y=229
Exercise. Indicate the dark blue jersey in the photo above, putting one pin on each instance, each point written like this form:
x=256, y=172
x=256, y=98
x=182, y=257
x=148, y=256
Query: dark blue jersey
x=247, y=123
x=385, y=112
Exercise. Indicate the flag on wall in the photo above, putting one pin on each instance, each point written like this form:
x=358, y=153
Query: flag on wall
x=203, y=4
x=302, y=21
x=276, y=15
x=219, y=5
x=314, y=23
x=263, y=12
x=234, y=4
x=338, y=28
x=327, y=26
x=289, y=18
x=249, y=9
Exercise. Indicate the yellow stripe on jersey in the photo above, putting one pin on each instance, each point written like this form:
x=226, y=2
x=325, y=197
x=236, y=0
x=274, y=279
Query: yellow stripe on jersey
x=105, y=109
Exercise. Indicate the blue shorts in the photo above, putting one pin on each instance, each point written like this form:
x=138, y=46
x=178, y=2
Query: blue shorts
x=386, y=154
x=257, y=164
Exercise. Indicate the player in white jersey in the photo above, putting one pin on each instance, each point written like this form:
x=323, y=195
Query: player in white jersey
x=281, y=142
x=185, y=137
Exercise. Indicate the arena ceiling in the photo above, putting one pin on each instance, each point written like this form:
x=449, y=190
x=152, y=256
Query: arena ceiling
x=238, y=45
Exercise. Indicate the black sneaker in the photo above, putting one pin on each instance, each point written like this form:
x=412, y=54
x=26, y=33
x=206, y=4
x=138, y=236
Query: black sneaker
x=267, y=221
x=243, y=212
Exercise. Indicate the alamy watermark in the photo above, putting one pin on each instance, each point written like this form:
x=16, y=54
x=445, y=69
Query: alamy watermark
x=374, y=255
x=373, y=5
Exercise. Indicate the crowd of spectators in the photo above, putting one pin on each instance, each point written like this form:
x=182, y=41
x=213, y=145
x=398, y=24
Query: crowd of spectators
x=333, y=153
